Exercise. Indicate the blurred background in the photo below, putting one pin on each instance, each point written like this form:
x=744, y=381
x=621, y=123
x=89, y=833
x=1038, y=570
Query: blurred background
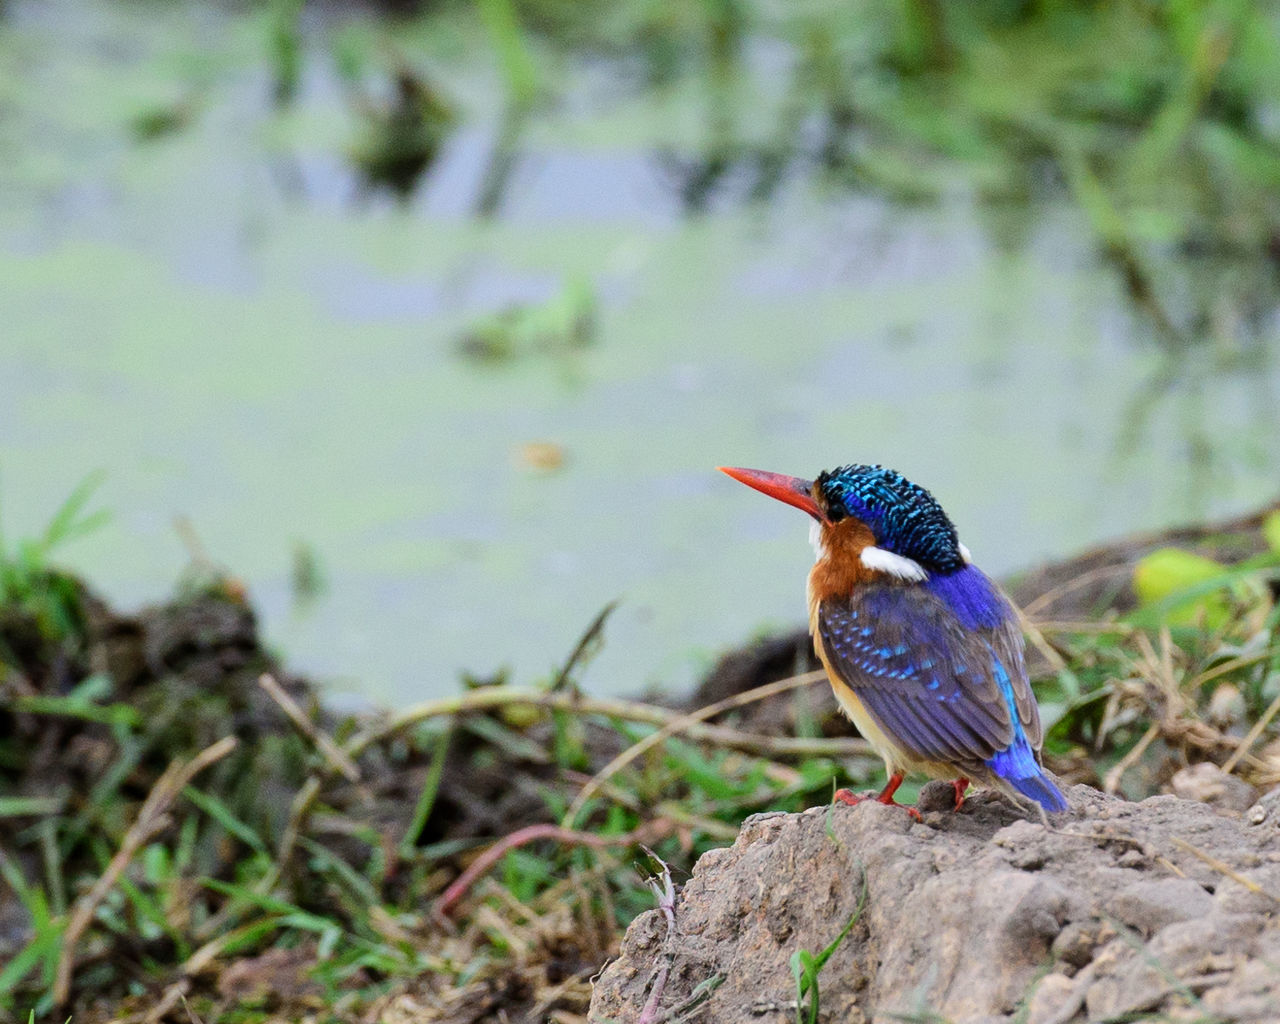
x=431, y=320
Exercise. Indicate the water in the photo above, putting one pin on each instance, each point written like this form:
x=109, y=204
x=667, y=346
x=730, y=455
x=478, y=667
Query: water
x=239, y=332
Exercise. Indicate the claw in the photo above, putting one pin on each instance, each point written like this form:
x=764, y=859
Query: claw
x=885, y=796
x=960, y=784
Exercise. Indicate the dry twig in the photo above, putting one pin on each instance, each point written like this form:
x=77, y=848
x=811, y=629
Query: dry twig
x=1225, y=869
x=171, y=997
x=151, y=819
x=684, y=723
x=1112, y=782
x=333, y=754
x=532, y=833
x=1252, y=737
x=491, y=697
x=1050, y=653
x=1075, y=583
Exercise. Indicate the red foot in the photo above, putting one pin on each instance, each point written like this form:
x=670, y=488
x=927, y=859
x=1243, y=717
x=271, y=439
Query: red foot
x=885, y=796
x=961, y=784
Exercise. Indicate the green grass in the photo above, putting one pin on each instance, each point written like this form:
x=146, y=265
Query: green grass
x=30, y=588
x=806, y=966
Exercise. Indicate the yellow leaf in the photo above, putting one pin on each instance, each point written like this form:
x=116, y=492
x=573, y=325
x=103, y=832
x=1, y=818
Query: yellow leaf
x=1271, y=531
x=1167, y=572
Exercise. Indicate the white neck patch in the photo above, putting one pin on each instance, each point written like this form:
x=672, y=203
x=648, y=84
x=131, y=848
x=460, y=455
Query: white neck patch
x=895, y=565
x=964, y=554
x=815, y=538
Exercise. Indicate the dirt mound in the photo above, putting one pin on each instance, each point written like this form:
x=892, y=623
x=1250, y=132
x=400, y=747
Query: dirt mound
x=982, y=915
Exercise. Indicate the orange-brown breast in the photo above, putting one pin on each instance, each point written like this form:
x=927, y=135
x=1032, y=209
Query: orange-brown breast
x=836, y=573
x=840, y=568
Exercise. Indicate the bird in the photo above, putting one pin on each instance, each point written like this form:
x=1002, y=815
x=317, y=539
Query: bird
x=922, y=649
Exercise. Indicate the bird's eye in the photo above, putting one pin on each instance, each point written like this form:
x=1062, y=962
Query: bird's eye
x=832, y=507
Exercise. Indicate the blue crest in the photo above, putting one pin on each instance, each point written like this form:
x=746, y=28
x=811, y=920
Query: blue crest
x=905, y=518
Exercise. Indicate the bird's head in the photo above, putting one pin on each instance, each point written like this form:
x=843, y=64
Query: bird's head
x=910, y=535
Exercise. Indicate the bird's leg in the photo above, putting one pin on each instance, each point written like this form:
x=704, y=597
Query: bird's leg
x=885, y=796
x=960, y=784
x=890, y=787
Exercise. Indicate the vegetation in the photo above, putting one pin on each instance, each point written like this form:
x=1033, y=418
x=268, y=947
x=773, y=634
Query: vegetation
x=186, y=826
x=1189, y=675
x=34, y=595
x=805, y=968
x=1154, y=121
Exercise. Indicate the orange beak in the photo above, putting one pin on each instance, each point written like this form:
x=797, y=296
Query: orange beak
x=791, y=489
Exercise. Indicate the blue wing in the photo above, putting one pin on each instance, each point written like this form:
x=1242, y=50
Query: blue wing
x=944, y=678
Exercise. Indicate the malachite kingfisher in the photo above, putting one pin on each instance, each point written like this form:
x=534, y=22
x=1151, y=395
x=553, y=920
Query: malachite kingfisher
x=923, y=650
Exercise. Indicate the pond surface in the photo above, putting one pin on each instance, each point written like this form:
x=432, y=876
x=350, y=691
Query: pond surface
x=233, y=327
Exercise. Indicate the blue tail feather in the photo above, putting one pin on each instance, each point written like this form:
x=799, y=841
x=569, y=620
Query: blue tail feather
x=1017, y=763
x=1040, y=789
x=1017, y=766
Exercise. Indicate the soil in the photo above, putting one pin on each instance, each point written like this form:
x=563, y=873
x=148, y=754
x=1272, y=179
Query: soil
x=1113, y=910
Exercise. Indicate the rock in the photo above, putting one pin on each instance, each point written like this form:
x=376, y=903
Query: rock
x=1152, y=903
x=1266, y=812
x=1227, y=708
x=1209, y=784
x=976, y=916
x=936, y=796
x=1252, y=891
x=1184, y=958
x=1048, y=998
x=1078, y=941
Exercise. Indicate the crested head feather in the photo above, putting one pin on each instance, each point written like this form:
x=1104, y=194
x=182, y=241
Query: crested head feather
x=905, y=519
